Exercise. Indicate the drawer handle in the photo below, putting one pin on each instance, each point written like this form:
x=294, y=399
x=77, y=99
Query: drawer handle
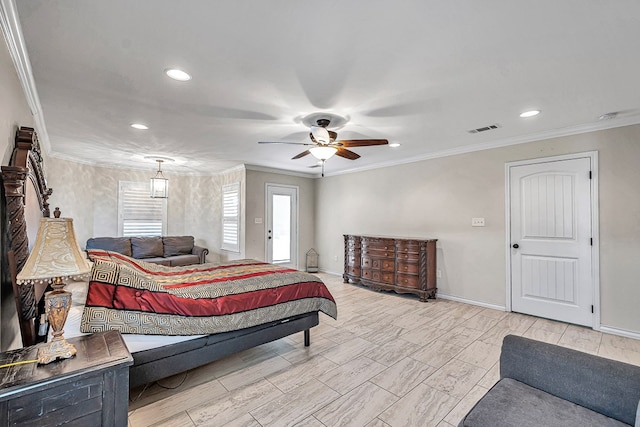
x=406, y=268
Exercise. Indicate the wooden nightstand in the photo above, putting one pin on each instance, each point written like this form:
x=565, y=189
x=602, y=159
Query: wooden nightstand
x=90, y=389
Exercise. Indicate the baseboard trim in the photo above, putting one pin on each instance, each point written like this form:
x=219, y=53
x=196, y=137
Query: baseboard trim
x=620, y=332
x=472, y=302
x=330, y=272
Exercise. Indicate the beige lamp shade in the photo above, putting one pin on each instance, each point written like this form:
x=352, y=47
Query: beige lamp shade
x=56, y=253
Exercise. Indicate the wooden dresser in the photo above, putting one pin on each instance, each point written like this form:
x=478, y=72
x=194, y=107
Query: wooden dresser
x=89, y=389
x=402, y=265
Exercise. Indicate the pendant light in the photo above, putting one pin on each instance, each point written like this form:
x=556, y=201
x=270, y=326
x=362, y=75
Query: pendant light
x=159, y=184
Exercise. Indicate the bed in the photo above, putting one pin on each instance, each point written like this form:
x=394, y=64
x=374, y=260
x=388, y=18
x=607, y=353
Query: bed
x=156, y=356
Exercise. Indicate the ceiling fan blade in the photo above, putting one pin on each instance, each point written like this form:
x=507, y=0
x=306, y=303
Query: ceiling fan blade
x=304, y=153
x=361, y=142
x=347, y=154
x=283, y=142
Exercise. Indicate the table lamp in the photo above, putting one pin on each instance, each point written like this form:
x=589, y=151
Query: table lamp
x=55, y=257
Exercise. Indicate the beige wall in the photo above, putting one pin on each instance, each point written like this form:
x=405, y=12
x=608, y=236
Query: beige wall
x=256, y=208
x=14, y=112
x=437, y=198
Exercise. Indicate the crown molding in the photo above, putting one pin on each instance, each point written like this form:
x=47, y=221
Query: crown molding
x=279, y=171
x=522, y=139
x=12, y=31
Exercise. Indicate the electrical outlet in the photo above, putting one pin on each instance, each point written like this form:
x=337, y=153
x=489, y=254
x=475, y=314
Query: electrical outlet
x=439, y=274
x=477, y=222
x=335, y=257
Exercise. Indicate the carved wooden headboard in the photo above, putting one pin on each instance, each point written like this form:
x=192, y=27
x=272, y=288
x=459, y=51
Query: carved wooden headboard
x=22, y=178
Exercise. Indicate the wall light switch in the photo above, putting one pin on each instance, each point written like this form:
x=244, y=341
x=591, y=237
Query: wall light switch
x=477, y=222
x=257, y=220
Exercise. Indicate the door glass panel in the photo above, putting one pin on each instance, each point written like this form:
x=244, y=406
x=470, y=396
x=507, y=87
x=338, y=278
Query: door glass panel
x=281, y=228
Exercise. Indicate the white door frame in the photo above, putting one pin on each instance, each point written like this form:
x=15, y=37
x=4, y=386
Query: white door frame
x=595, y=231
x=296, y=222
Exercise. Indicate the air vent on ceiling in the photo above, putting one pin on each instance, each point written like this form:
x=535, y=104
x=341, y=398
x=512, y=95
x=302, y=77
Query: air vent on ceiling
x=484, y=128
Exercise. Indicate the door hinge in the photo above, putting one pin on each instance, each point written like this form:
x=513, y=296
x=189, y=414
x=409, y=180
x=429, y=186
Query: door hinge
x=592, y=309
x=590, y=175
x=591, y=241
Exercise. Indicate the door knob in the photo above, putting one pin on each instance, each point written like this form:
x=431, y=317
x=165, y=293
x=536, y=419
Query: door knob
x=516, y=246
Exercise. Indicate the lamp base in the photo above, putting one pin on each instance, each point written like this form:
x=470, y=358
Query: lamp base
x=56, y=349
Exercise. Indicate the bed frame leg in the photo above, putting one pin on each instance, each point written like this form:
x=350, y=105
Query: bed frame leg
x=307, y=338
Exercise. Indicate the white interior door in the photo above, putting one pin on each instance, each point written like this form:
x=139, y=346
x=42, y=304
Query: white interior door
x=551, y=240
x=282, y=225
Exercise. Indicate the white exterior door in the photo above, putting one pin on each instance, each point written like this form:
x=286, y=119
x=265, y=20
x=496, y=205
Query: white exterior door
x=551, y=239
x=282, y=225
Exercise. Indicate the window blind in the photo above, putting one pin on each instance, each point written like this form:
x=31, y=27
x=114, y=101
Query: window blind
x=139, y=214
x=231, y=217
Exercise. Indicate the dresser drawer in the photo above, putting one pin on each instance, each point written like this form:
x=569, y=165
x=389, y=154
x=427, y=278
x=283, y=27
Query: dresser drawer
x=408, y=256
x=374, y=243
x=407, y=281
x=382, y=253
x=353, y=271
x=367, y=262
x=407, y=267
x=387, y=277
x=353, y=260
x=367, y=273
x=81, y=398
x=406, y=246
x=387, y=265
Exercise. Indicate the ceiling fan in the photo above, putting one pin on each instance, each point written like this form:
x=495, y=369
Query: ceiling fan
x=324, y=144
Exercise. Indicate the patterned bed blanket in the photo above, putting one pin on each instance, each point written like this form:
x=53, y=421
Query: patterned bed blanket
x=138, y=297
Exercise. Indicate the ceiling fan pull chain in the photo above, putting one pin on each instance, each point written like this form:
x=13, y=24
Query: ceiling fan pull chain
x=323, y=168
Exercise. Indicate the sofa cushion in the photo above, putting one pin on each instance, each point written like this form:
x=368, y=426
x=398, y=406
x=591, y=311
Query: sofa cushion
x=177, y=245
x=179, y=260
x=116, y=244
x=159, y=261
x=573, y=375
x=147, y=247
x=512, y=403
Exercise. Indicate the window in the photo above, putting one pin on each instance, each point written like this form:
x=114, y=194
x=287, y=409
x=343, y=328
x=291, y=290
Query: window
x=138, y=213
x=231, y=217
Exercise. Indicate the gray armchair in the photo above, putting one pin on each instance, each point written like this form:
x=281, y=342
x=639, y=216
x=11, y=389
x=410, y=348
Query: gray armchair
x=547, y=385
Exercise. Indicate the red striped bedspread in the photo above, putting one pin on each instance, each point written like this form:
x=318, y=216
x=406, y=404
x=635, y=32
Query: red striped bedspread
x=137, y=297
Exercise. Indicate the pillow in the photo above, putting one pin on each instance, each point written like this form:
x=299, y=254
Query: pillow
x=177, y=245
x=147, y=247
x=116, y=244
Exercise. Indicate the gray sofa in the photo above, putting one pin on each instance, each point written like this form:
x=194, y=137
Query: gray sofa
x=547, y=385
x=167, y=250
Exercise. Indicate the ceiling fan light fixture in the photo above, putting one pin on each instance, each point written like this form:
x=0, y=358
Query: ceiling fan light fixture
x=320, y=134
x=323, y=152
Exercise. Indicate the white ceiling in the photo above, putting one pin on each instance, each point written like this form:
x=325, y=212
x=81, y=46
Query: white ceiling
x=420, y=73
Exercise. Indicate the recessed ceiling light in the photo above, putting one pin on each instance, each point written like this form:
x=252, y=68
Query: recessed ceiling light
x=394, y=144
x=530, y=113
x=139, y=126
x=176, y=74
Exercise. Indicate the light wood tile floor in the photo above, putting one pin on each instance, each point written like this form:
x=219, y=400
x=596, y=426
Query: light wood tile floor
x=389, y=360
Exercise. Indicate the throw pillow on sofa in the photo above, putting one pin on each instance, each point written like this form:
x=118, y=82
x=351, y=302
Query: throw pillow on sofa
x=121, y=245
x=147, y=247
x=177, y=245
